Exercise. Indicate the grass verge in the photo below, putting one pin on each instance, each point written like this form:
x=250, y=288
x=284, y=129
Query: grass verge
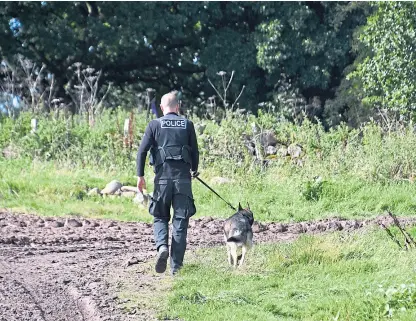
x=47, y=189
x=358, y=276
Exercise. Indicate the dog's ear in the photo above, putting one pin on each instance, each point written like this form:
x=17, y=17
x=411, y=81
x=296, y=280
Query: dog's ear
x=239, y=207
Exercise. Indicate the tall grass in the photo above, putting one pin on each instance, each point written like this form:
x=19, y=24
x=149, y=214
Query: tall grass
x=341, y=172
x=369, y=152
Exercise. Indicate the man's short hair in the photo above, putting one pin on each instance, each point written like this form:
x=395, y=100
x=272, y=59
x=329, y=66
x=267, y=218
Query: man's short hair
x=170, y=100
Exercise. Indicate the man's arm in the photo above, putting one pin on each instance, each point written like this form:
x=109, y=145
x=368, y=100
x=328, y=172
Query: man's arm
x=145, y=145
x=193, y=143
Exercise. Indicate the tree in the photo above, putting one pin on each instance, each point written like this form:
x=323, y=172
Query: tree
x=164, y=45
x=146, y=43
x=173, y=45
x=308, y=45
x=387, y=70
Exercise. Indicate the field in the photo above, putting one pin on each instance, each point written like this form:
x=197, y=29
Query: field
x=320, y=253
x=303, y=111
x=357, y=276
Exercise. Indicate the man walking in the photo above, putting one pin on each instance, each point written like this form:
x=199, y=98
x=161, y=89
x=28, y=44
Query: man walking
x=174, y=154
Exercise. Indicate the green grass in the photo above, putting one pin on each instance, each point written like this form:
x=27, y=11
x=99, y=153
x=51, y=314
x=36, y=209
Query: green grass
x=331, y=277
x=45, y=189
x=276, y=195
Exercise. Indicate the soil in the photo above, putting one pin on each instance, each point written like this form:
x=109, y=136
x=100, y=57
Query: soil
x=54, y=269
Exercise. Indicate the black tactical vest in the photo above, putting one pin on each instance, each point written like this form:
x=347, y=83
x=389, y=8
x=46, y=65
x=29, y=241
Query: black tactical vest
x=171, y=141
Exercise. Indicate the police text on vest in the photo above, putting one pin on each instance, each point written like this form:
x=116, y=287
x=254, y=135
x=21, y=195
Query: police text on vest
x=173, y=123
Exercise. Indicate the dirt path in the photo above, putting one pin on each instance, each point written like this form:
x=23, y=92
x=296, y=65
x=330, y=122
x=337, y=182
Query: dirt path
x=54, y=269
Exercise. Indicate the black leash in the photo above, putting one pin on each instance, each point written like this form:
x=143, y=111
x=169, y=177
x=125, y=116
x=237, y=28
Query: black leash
x=215, y=193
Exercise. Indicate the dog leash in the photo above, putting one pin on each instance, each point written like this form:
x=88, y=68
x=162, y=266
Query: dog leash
x=215, y=193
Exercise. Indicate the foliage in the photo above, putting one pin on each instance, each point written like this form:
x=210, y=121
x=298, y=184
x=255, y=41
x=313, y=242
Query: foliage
x=398, y=299
x=72, y=141
x=313, y=189
x=387, y=72
x=308, y=44
x=372, y=151
x=160, y=49
x=181, y=44
x=344, y=172
x=25, y=86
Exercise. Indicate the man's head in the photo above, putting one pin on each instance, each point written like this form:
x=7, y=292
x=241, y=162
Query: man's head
x=169, y=103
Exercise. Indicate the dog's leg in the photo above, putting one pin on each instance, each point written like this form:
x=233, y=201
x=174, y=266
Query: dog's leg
x=229, y=255
x=243, y=254
x=250, y=240
x=234, y=253
x=228, y=250
x=246, y=246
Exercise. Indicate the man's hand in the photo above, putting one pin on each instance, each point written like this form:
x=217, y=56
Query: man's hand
x=194, y=174
x=141, y=184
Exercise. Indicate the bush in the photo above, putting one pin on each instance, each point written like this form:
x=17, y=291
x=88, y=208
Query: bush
x=369, y=152
x=398, y=299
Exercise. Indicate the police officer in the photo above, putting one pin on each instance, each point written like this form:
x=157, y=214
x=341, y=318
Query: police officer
x=174, y=154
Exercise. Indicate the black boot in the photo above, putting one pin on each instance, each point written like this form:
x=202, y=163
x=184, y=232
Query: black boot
x=162, y=259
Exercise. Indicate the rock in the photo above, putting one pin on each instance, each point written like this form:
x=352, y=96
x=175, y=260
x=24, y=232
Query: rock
x=129, y=189
x=112, y=187
x=268, y=139
x=94, y=191
x=72, y=222
x=271, y=150
x=294, y=150
x=10, y=152
x=133, y=260
x=282, y=151
x=220, y=180
x=128, y=194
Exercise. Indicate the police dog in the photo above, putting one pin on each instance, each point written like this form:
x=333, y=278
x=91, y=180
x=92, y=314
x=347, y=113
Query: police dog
x=238, y=233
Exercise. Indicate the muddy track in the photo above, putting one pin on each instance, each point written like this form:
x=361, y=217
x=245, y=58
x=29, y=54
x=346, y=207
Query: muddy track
x=54, y=269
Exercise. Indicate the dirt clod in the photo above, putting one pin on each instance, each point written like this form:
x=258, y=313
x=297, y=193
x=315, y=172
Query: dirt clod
x=73, y=223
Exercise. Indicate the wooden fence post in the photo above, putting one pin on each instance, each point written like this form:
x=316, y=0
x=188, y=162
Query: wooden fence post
x=126, y=131
x=34, y=125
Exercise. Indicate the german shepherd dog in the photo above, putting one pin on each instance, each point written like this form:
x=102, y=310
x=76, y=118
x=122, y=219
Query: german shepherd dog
x=238, y=233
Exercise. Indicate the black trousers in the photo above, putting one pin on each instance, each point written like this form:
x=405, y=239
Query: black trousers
x=175, y=193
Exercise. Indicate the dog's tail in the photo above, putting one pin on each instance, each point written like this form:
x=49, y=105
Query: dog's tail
x=236, y=237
